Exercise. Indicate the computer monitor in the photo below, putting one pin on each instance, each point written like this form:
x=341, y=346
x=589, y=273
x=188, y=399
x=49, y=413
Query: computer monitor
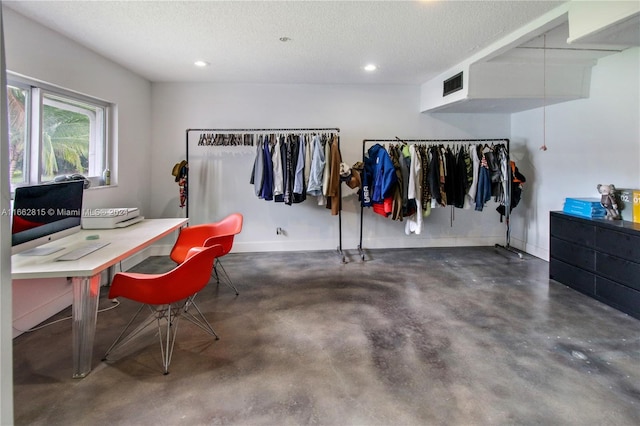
x=44, y=213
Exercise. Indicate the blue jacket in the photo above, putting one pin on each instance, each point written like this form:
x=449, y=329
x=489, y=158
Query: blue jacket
x=484, y=188
x=382, y=171
x=266, y=191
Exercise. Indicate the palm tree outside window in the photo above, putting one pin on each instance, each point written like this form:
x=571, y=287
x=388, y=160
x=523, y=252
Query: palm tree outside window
x=54, y=133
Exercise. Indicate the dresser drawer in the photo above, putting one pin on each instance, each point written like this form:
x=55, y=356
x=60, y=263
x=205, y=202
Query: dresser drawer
x=574, y=277
x=621, y=244
x=621, y=297
x=573, y=254
x=573, y=230
x=619, y=270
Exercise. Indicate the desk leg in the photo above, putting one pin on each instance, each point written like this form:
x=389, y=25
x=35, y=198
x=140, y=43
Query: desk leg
x=86, y=291
x=111, y=272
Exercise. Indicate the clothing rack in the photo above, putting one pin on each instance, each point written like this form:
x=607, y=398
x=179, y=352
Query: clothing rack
x=276, y=130
x=507, y=195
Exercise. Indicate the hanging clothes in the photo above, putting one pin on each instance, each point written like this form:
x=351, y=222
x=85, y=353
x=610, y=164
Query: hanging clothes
x=291, y=162
x=426, y=183
x=453, y=177
x=403, y=158
x=281, y=170
x=266, y=193
x=383, y=173
x=307, y=158
x=257, y=174
x=484, y=184
x=413, y=224
x=367, y=183
x=460, y=177
x=299, y=187
x=278, y=178
x=468, y=175
x=397, y=197
x=317, y=168
x=473, y=189
x=282, y=141
x=333, y=192
x=327, y=169
x=287, y=167
x=493, y=164
x=450, y=178
x=434, y=176
x=504, y=173
x=517, y=185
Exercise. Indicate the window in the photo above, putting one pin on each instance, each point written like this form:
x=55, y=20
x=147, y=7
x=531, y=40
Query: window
x=55, y=132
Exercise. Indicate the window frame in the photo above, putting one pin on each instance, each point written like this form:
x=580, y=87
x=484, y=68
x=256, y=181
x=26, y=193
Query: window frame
x=26, y=165
x=99, y=157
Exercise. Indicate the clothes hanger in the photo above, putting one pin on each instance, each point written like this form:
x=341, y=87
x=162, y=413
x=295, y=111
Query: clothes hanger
x=400, y=140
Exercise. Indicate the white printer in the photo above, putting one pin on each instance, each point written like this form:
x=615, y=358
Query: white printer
x=109, y=218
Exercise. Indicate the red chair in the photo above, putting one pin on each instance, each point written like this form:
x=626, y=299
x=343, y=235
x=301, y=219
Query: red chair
x=222, y=233
x=168, y=296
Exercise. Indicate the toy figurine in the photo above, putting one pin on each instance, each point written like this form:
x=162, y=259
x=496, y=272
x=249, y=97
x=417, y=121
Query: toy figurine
x=608, y=201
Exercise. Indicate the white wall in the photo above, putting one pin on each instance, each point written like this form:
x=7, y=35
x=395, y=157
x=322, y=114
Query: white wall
x=35, y=51
x=590, y=141
x=360, y=111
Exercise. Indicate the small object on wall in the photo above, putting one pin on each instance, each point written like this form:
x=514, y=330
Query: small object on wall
x=608, y=200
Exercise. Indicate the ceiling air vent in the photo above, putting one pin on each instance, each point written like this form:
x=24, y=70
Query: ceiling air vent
x=452, y=84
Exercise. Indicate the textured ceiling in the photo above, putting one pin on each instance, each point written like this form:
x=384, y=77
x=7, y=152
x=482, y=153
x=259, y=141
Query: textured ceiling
x=410, y=42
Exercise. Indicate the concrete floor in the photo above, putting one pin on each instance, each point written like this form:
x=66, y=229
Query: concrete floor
x=446, y=336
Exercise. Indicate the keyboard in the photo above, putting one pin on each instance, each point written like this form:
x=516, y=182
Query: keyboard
x=83, y=250
x=41, y=251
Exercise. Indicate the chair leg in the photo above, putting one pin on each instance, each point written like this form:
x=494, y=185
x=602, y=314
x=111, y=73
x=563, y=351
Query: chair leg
x=200, y=320
x=121, y=340
x=226, y=278
x=166, y=348
x=215, y=271
x=158, y=314
x=167, y=335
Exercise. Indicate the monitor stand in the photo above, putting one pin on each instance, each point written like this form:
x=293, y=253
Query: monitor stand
x=41, y=251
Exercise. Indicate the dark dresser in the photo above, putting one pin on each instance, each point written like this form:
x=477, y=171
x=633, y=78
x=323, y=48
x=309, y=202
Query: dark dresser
x=598, y=257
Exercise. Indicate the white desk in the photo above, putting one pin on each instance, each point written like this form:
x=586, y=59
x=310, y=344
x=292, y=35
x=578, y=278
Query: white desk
x=85, y=274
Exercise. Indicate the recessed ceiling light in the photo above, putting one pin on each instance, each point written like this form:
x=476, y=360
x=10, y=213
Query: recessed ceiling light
x=370, y=67
x=201, y=64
